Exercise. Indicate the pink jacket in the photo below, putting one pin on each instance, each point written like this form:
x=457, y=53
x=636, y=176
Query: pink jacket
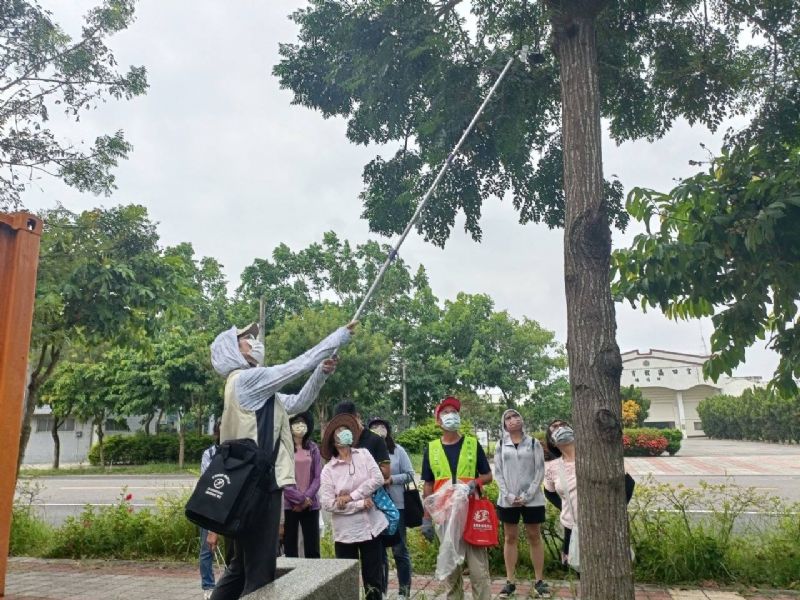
x=359, y=478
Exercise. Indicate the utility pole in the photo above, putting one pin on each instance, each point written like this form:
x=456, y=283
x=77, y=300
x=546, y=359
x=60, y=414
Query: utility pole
x=262, y=321
x=405, y=397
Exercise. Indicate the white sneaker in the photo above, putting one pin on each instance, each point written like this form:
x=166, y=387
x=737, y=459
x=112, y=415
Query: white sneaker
x=207, y=594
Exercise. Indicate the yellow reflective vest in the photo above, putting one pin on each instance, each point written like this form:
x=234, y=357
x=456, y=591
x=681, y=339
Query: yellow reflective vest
x=440, y=466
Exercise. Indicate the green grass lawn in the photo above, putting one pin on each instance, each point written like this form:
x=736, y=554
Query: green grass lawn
x=148, y=469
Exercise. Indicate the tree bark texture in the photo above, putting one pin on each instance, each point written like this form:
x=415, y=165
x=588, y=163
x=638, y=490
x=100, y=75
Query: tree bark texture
x=45, y=365
x=100, y=435
x=56, y=442
x=594, y=359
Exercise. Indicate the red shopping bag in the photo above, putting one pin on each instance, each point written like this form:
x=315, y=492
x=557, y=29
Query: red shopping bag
x=482, y=524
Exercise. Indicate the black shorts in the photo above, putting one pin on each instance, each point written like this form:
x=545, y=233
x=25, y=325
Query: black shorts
x=529, y=514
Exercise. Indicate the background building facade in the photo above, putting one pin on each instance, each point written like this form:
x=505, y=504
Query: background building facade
x=675, y=385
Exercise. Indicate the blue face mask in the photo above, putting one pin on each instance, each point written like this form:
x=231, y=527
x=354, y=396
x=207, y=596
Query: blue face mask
x=345, y=438
x=451, y=421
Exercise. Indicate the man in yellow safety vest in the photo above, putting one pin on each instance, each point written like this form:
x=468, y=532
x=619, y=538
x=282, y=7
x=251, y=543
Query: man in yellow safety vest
x=454, y=457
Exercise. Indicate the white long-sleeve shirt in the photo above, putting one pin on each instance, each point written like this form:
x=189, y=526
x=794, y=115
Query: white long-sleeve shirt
x=254, y=386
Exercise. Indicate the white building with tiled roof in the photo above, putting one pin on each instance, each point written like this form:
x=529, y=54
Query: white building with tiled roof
x=675, y=385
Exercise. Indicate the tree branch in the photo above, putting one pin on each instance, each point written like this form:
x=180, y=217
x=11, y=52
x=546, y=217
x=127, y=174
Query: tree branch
x=447, y=7
x=39, y=364
x=756, y=20
x=41, y=64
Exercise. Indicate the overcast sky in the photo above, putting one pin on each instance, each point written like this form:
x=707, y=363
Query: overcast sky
x=222, y=159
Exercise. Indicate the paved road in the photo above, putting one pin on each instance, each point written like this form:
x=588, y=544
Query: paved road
x=60, y=497
x=772, y=468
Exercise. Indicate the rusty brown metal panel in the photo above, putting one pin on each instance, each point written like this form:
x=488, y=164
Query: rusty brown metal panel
x=19, y=258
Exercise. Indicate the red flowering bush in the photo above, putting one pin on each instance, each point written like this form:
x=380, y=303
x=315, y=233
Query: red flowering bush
x=644, y=442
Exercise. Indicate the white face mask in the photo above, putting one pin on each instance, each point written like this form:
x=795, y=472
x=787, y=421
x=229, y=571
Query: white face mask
x=256, y=351
x=299, y=429
x=451, y=421
x=380, y=430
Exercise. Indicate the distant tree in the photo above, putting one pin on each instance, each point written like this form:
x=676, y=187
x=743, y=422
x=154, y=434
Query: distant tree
x=635, y=394
x=42, y=68
x=102, y=279
x=83, y=390
x=548, y=402
x=361, y=375
x=184, y=378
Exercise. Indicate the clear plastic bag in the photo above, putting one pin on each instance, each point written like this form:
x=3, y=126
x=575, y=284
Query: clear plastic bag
x=448, y=508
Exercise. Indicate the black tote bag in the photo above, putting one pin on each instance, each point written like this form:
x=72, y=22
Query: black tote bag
x=413, y=511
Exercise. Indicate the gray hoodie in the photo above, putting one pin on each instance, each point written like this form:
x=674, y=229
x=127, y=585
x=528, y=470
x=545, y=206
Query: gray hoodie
x=519, y=470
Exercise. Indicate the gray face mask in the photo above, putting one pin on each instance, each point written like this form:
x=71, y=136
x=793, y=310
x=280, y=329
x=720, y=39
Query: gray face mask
x=563, y=435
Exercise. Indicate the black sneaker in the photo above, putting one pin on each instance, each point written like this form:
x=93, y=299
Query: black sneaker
x=541, y=589
x=509, y=589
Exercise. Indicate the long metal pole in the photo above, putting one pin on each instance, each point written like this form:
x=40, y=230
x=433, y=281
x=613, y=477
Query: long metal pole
x=427, y=196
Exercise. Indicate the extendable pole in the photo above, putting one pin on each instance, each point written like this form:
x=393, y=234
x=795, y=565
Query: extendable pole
x=393, y=254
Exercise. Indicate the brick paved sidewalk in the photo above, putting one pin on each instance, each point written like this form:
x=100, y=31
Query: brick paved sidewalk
x=35, y=579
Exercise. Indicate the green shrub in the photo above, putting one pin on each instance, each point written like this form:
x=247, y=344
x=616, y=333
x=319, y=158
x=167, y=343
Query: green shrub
x=119, y=532
x=29, y=534
x=684, y=535
x=416, y=439
x=758, y=414
x=674, y=440
x=139, y=449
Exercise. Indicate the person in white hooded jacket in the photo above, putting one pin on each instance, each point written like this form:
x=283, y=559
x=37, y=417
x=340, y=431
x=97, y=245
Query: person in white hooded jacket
x=519, y=471
x=255, y=409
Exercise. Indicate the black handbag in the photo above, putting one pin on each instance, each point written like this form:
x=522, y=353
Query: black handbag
x=238, y=483
x=412, y=511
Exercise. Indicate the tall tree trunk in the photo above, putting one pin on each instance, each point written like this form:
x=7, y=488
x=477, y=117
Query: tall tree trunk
x=181, y=441
x=56, y=441
x=100, y=435
x=146, y=423
x=43, y=369
x=594, y=359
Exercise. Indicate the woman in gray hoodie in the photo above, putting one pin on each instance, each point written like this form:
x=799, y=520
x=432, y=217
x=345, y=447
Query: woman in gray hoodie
x=519, y=471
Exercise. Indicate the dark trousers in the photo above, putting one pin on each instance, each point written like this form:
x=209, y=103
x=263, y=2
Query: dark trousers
x=308, y=520
x=402, y=561
x=371, y=555
x=254, y=554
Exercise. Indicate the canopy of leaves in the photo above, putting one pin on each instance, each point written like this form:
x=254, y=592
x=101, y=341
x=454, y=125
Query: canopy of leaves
x=43, y=69
x=414, y=72
x=102, y=276
x=728, y=246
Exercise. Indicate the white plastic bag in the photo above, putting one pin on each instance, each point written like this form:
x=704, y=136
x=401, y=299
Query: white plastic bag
x=448, y=508
x=574, y=556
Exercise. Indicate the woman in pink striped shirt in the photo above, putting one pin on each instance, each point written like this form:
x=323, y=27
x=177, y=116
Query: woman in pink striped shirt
x=348, y=482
